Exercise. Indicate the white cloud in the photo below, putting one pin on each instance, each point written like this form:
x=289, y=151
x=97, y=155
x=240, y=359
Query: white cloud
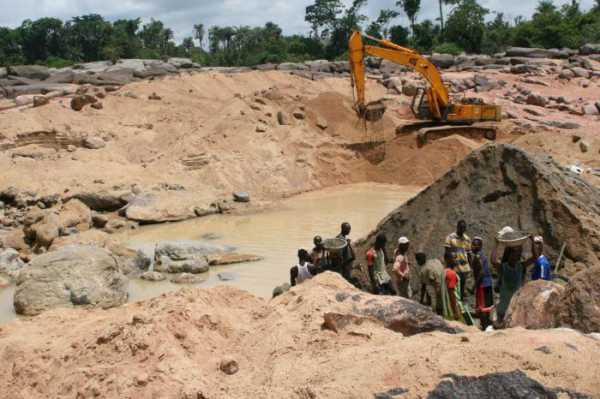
x=181, y=15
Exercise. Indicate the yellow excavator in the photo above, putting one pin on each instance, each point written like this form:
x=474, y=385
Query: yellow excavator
x=439, y=116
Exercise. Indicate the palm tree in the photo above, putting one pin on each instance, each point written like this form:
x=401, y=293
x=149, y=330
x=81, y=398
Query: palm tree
x=442, y=2
x=199, y=33
x=411, y=9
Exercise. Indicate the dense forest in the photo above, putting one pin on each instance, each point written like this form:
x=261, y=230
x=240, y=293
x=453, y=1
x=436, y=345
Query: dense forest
x=462, y=25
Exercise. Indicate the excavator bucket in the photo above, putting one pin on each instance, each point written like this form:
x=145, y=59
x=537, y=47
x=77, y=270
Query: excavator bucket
x=374, y=111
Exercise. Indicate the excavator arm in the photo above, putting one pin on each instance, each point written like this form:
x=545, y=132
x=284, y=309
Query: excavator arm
x=438, y=99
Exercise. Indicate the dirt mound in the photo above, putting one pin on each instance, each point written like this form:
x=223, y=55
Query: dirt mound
x=496, y=186
x=225, y=343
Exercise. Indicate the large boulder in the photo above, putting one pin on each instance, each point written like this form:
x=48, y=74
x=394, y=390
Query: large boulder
x=186, y=250
x=44, y=232
x=291, y=66
x=10, y=262
x=73, y=276
x=134, y=64
x=41, y=88
x=149, y=209
x=536, y=53
x=443, y=60
x=590, y=48
x=101, y=201
x=535, y=306
x=505, y=385
x=3, y=72
x=320, y=66
x=37, y=72
x=61, y=76
x=191, y=266
x=75, y=214
x=181, y=63
x=116, y=76
x=501, y=185
x=580, y=303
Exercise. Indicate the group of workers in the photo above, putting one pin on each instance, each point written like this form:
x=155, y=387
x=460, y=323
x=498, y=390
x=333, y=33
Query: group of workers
x=445, y=286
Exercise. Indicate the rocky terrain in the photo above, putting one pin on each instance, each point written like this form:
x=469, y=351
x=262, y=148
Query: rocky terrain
x=96, y=150
x=224, y=343
x=501, y=185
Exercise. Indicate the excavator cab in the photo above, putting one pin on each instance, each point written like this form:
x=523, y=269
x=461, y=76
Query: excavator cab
x=420, y=106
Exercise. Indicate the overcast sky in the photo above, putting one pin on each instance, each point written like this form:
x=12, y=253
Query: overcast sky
x=181, y=15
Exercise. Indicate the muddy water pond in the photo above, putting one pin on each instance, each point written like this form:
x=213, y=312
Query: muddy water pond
x=275, y=235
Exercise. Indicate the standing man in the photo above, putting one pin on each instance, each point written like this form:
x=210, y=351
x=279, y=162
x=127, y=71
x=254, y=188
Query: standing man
x=459, y=244
x=318, y=254
x=377, y=267
x=402, y=267
x=304, y=270
x=450, y=291
x=431, y=273
x=542, y=269
x=482, y=273
x=347, y=257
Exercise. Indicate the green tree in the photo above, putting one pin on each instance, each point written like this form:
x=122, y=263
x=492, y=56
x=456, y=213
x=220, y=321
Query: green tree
x=124, y=41
x=350, y=21
x=411, y=9
x=42, y=39
x=424, y=35
x=380, y=27
x=497, y=35
x=10, y=50
x=322, y=16
x=188, y=45
x=441, y=5
x=546, y=22
x=399, y=35
x=87, y=36
x=466, y=25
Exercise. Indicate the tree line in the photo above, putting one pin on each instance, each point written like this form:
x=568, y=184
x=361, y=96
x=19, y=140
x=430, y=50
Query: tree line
x=462, y=25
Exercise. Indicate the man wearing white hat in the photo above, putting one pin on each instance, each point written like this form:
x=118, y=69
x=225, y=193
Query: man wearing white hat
x=401, y=267
x=542, y=269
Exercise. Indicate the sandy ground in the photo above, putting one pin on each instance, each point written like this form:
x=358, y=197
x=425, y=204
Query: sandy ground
x=203, y=135
x=173, y=346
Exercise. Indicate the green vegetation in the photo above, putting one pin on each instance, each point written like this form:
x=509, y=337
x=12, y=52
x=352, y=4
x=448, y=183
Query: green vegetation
x=462, y=25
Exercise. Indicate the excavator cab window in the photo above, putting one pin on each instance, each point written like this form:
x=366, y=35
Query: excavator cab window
x=420, y=106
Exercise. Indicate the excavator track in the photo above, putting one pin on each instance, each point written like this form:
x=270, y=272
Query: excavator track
x=477, y=132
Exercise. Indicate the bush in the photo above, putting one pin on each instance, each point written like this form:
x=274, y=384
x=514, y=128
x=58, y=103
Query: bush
x=57, y=62
x=448, y=48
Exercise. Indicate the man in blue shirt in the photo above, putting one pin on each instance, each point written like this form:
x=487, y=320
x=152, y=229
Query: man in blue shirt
x=542, y=269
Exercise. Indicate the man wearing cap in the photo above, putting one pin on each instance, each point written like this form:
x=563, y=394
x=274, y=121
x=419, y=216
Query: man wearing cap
x=542, y=269
x=401, y=267
x=459, y=244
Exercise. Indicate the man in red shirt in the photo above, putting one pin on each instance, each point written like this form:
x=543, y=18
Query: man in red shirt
x=451, y=278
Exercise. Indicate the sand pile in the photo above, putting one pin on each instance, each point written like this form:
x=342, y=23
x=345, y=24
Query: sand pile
x=501, y=185
x=225, y=343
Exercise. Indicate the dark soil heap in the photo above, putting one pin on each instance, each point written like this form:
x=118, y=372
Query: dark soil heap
x=497, y=186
